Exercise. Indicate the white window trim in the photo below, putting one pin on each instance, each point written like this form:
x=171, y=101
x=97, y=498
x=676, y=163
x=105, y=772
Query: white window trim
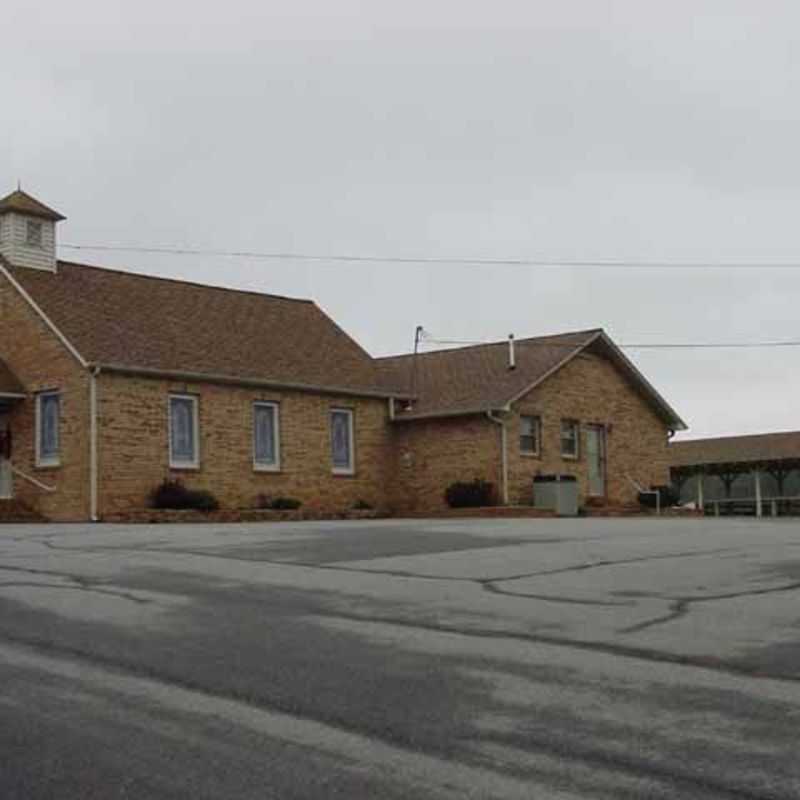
x=537, y=435
x=577, y=426
x=259, y=466
x=351, y=468
x=195, y=462
x=50, y=461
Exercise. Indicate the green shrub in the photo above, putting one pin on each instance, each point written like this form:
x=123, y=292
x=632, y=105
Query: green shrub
x=362, y=505
x=278, y=503
x=470, y=494
x=172, y=495
x=286, y=503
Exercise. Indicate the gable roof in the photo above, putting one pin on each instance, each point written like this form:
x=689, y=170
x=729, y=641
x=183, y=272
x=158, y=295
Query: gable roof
x=9, y=383
x=137, y=323
x=475, y=379
x=23, y=203
x=140, y=324
x=472, y=379
x=736, y=449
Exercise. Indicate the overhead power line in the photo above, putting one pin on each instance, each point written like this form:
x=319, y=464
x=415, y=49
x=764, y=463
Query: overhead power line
x=538, y=262
x=629, y=345
x=709, y=345
x=513, y=262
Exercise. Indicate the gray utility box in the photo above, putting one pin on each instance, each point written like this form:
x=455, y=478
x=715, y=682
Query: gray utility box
x=557, y=493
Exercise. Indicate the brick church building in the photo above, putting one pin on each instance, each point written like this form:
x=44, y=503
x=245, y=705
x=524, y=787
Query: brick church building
x=112, y=381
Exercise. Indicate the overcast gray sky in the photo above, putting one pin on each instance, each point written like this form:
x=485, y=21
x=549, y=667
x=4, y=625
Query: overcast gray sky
x=442, y=128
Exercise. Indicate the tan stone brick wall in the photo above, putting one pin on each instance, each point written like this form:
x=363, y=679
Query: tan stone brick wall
x=134, y=448
x=591, y=390
x=429, y=455
x=404, y=466
x=41, y=362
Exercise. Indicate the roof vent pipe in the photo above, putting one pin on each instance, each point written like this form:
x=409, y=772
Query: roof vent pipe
x=512, y=356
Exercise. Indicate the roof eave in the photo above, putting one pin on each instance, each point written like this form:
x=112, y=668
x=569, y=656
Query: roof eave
x=669, y=414
x=233, y=380
x=469, y=412
x=35, y=208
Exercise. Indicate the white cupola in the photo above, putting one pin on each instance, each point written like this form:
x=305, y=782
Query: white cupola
x=28, y=231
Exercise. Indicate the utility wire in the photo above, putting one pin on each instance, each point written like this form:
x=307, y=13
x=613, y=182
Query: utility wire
x=515, y=262
x=629, y=346
x=480, y=262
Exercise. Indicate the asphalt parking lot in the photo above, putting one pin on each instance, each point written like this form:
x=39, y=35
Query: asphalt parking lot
x=401, y=659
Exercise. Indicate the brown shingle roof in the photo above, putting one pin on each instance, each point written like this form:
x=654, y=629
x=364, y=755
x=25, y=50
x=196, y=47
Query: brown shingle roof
x=136, y=321
x=475, y=379
x=145, y=324
x=23, y=203
x=9, y=383
x=736, y=449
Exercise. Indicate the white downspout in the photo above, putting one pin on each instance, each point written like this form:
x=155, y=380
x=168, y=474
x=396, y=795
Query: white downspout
x=503, y=454
x=93, y=466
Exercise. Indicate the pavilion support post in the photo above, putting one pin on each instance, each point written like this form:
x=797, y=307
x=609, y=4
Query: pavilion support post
x=757, y=481
x=727, y=479
x=700, y=498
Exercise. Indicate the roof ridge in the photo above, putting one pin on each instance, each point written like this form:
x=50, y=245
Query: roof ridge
x=491, y=344
x=183, y=282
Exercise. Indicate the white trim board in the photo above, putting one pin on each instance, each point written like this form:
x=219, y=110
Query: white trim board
x=41, y=314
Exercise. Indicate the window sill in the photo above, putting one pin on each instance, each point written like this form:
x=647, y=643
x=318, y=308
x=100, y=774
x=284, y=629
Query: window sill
x=44, y=466
x=569, y=458
x=343, y=473
x=184, y=467
x=267, y=469
x=530, y=455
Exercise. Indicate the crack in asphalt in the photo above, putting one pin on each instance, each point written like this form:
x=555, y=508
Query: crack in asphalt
x=682, y=605
x=32, y=571
x=626, y=651
x=487, y=584
x=67, y=587
x=679, y=608
x=81, y=583
x=491, y=584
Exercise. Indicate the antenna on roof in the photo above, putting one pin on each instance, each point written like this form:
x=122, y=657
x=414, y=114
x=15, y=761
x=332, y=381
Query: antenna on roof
x=19, y=185
x=512, y=355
